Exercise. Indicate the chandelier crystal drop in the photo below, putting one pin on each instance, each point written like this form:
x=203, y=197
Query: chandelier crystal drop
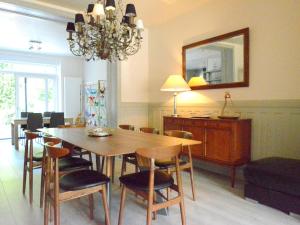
x=106, y=32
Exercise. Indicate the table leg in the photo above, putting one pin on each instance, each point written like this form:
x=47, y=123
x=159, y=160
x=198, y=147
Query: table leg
x=12, y=127
x=16, y=136
x=109, y=174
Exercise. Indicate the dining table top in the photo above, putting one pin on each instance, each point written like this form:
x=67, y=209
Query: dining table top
x=119, y=143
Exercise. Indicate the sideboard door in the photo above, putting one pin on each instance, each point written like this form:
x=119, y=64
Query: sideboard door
x=199, y=135
x=218, y=144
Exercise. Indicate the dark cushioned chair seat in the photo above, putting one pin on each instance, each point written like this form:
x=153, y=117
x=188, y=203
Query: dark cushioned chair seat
x=73, y=162
x=279, y=174
x=82, y=179
x=140, y=181
x=168, y=164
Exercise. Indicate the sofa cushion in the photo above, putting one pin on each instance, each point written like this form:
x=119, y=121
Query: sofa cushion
x=275, y=173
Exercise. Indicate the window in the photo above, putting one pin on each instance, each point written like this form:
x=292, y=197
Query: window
x=26, y=87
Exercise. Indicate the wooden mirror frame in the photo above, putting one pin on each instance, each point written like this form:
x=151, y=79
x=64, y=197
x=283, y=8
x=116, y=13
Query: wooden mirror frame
x=245, y=83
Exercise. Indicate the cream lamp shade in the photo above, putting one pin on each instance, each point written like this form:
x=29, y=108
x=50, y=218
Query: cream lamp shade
x=197, y=81
x=175, y=83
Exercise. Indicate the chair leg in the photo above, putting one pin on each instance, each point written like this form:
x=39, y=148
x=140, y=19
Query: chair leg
x=106, y=210
x=56, y=213
x=46, y=211
x=168, y=189
x=193, y=184
x=42, y=191
x=182, y=212
x=149, y=213
x=25, y=168
x=91, y=206
x=122, y=205
x=31, y=174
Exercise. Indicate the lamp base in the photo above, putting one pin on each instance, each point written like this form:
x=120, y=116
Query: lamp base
x=175, y=115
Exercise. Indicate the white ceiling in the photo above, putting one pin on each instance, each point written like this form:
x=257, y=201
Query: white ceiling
x=153, y=12
x=19, y=28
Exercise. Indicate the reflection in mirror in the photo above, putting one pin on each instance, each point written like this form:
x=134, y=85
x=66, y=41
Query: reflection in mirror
x=217, y=62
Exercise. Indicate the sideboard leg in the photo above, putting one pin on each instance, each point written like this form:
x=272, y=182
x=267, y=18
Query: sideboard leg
x=232, y=176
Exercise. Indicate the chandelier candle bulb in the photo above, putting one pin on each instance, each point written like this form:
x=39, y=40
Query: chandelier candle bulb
x=98, y=9
x=140, y=24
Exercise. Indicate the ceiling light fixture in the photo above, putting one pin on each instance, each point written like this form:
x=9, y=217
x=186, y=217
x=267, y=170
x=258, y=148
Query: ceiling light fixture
x=106, y=32
x=35, y=45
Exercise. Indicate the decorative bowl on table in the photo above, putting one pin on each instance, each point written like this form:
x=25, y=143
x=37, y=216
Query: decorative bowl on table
x=99, y=132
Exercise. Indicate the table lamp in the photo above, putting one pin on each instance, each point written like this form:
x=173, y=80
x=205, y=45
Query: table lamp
x=197, y=81
x=175, y=83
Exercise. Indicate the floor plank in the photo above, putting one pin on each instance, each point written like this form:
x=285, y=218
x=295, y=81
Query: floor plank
x=217, y=203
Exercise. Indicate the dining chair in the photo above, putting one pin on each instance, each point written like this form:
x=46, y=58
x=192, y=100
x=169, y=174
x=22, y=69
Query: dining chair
x=34, y=121
x=185, y=165
x=73, y=185
x=149, y=130
x=47, y=114
x=149, y=182
x=23, y=126
x=128, y=158
x=57, y=119
x=77, y=151
x=67, y=164
x=32, y=160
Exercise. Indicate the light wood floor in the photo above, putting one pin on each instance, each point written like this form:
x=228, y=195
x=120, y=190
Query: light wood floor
x=217, y=203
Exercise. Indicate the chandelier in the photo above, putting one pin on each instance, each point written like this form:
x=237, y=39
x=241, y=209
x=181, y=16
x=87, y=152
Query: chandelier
x=106, y=32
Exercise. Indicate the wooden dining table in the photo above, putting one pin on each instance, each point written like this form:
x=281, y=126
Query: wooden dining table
x=119, y=143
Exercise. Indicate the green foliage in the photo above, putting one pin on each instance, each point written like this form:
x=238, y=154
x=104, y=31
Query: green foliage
x=7, y=96
x=3, y=66
x=7, y=91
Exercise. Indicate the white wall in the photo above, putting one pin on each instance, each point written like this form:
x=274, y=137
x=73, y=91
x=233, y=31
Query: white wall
x=69, y=67
x=274, y=46
x=133, y=85
x=94, y=71
x=135, y=74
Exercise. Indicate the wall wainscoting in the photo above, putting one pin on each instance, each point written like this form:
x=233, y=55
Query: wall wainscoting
x=275, y=123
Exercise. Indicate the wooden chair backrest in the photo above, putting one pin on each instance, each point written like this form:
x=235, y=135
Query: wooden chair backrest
x=149, y=130
x=31, y=135
x=53, y=140
x=56, y=152
x=147, y=156
x=179, y=134
x=126, y=127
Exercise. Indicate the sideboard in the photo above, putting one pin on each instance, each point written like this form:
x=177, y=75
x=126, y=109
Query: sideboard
x=224, y=141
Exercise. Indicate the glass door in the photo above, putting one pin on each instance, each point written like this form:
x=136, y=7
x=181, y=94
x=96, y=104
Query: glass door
x=7, y=103
x=35, y=94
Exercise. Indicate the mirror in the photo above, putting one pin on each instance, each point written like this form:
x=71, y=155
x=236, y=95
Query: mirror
x=219, y=62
